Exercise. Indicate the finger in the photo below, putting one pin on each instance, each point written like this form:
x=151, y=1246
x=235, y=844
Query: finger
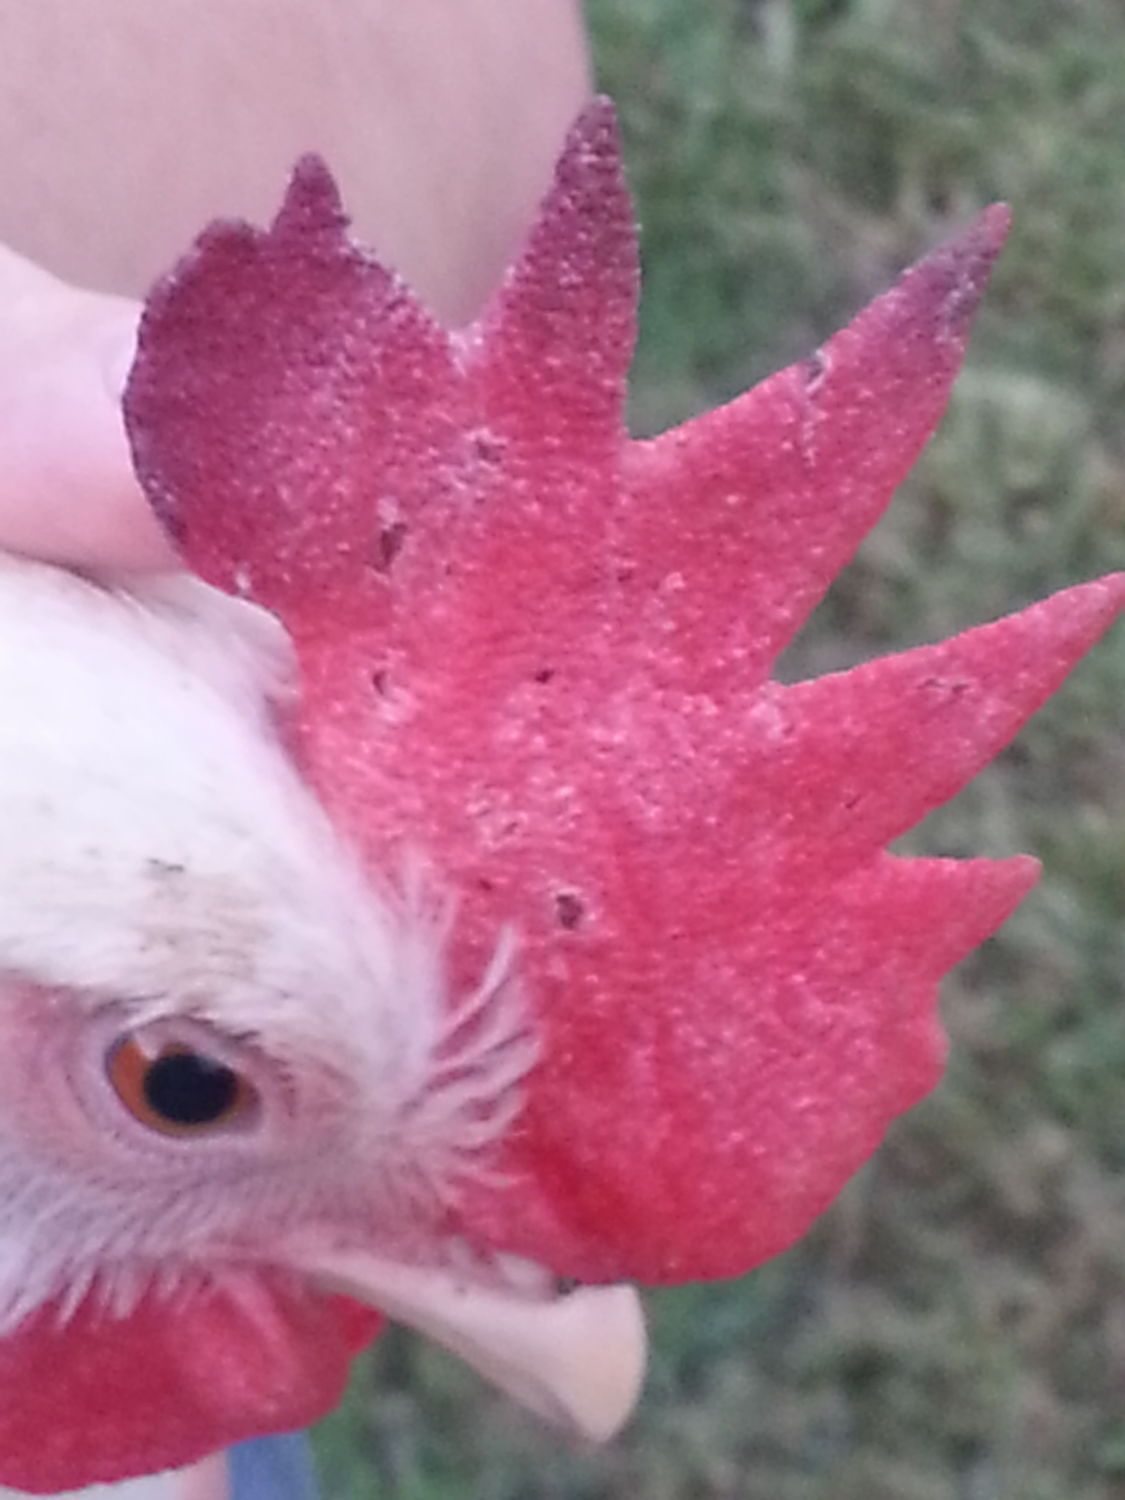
x=67, y=490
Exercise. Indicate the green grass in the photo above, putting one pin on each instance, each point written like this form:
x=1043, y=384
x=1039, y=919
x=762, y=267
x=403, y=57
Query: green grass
x=953, y=1327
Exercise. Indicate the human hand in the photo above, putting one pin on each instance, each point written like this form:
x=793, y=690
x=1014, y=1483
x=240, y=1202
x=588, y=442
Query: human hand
x=67, y=491
x=441, y=120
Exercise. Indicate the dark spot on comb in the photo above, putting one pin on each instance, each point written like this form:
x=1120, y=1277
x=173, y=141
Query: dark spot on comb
x=388, y=545
x=487, y=448
x=544, y=675
x=381, y=681
x=569, y=910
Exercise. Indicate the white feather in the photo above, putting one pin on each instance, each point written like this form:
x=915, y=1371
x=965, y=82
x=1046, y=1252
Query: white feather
x=160, y=857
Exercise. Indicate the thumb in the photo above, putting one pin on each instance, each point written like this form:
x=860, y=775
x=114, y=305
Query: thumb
x=67, y=490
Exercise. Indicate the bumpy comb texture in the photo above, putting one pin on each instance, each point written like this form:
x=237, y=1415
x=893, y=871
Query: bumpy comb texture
x=536, y=654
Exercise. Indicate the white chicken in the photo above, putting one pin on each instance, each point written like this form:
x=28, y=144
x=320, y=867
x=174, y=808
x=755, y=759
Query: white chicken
x=216, y=1029
x=249, y=1067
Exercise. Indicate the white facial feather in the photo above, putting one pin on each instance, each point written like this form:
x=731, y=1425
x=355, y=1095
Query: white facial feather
x=160, y=858
x=146, y=801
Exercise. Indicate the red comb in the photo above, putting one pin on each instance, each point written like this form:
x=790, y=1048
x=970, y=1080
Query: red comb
x=537, y=654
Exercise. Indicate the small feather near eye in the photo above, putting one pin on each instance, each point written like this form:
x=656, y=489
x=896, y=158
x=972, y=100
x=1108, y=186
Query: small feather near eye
x=176, y=1090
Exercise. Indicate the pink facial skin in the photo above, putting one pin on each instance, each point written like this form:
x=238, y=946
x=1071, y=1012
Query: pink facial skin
x=534, y=656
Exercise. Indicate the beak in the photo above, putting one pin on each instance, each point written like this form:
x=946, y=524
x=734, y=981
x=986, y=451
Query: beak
x=575, y=1358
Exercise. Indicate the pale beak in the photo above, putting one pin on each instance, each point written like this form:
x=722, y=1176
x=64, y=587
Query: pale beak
x=575, y=1358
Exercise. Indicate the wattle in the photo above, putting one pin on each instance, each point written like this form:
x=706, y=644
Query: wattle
x=101, y=1399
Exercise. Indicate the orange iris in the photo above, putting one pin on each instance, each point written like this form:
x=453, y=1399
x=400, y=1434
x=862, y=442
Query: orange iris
x=177, y=1090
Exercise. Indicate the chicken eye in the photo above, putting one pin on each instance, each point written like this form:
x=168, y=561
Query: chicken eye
x=177, y=1090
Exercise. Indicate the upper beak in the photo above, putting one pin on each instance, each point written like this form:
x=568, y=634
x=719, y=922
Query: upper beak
x=576, y=1358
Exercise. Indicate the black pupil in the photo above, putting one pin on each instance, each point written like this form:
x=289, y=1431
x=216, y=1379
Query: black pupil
x=187, y=1089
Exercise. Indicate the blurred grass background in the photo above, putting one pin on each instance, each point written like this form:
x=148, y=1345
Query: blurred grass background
x=954, y=1329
